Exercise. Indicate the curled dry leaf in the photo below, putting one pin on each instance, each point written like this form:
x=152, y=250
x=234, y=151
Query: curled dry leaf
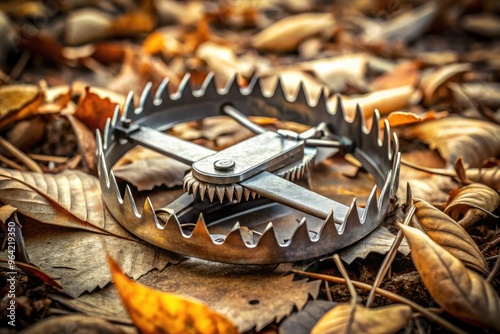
x=401, y=118
x=455, y=137
x=432, y=82
x=452, y=237
x=386, y=101
x=95, y=107
x=473, y=203
x=487, y=176
x=286, y=34
x=18, y=102
x=147, y=169
x=459, y=291
x=303, y=321
x=349, y=318
x=153, y=311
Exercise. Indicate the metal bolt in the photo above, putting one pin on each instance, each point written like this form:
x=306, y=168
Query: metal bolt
x=126, y=123
x=224, y=165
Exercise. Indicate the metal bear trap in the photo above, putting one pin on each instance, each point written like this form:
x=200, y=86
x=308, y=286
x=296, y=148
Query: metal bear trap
x=240, y=204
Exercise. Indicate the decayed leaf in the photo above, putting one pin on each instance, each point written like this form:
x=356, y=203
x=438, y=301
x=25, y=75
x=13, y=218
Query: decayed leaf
x=18, y=102
x=70, y=199
x=455, y=137
x=431, y=83
x=349, y=318
x=473, y=203
x=459, y=291
x=378, y=241
x=249, y=296
x=95, y=107
x=153, y=311
x=303, y=321
x=147, y=169
x=77, y=258
x=286, y=34
x=452, y=237
x=386, y=101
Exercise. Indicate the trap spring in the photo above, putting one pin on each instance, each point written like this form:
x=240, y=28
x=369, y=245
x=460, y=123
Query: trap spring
x=240, y=204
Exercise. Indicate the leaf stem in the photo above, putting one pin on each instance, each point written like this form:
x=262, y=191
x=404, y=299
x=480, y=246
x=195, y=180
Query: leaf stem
x=387, y=294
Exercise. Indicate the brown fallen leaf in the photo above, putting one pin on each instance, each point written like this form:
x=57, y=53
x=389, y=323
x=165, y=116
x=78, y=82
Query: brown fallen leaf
x=33, y=271
x=18, y=102
x=385, y=101
x=406, y=73
x=433, y=81
x=286, y=34
x=487, y=176
x=455, y=137
x=349, y=318
x=486, y=24
x=86, y=25
x=153, y=311
x=147, y=169
x=249, y=296
x=77, y=322
x=484, y=92
x=452, y=237
x=472, y=203
x=70, y=199
x=135, y=22
x=86, y=143
x=459, y=291
x=95, y=107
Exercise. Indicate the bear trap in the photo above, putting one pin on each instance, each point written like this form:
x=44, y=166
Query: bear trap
x=240, y=204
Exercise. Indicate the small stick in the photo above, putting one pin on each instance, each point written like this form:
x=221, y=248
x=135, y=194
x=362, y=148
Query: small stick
x=48, y=158
x=494, y=270
x=11, y=164
x=30, y=163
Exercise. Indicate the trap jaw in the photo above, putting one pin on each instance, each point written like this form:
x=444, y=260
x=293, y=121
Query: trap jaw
x=240, y=204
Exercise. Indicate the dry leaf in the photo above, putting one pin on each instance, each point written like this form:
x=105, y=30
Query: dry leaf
x=455, y=137
x=485, y=24
x=70, y=199
x=133, y=23
x=73, y=323
x=18, y=102
x=153, y=311
x=147, y=169
x=349, y=318
x=286, y=34
x=303, y=321
x=487, y=176
x=406, y=73
x=484, y=92
x=33, y=271
x=86, y=143
x=86, y=25
x=459, y=291
x=385, y=101
x=452, y=237
x=379, y=241
x=249, y=296
x=472, y=203
x=433, y=81
x=94, y=108
x=162, y=42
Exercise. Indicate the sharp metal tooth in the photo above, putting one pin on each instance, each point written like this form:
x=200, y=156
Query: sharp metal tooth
x=203, y=189
x=255, y=87
x=328, y=229
x=322, y=103
x=238, y=191
x=113, y=186
x=351, y=220
x=185, y=182
x=129, y=206
x=236, y=238
x=246, y=193
x=409, y=196
x=128, y=108
x=200, y=231
x=102, y=171
x=195, y=187
x=385, y=194
x=268, y=238
x=279, y=91
x=171, y=227
x=190, y=184
x=116, y=117
x=371, y=207
x=359, y=121
x=163, y=92
x=387, y=138
x=300, y=236
x=301, y=96
x=395, y=172
x=209, y=88
x=98, y=140
x=185, y=89
x=254, y=194
x=146, y=103
x=232, y=87
x=148, y=214
x=338, y=120
x=230, y=192
x=374, y=134
x=395, y=145
x=211, y=193
x=220, y=192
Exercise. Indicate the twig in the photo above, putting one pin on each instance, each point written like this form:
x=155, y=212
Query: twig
x=48, y=158
x=389, y=258
x=328, y=292
x=20, y=65
x=437, y=171
x=11, y=164
x=30, y=163
x=494, y=270
x=348, y=282
x=387, y=294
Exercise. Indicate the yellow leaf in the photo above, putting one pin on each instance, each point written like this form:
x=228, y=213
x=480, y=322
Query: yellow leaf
x=154, y=311
x=451, y=236
x=348, y=318
x=458, y=290
x=474, y=196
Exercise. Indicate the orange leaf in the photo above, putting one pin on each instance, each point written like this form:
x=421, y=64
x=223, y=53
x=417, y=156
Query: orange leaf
x=93, y=110
x=154, y=311
x=399, y=118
